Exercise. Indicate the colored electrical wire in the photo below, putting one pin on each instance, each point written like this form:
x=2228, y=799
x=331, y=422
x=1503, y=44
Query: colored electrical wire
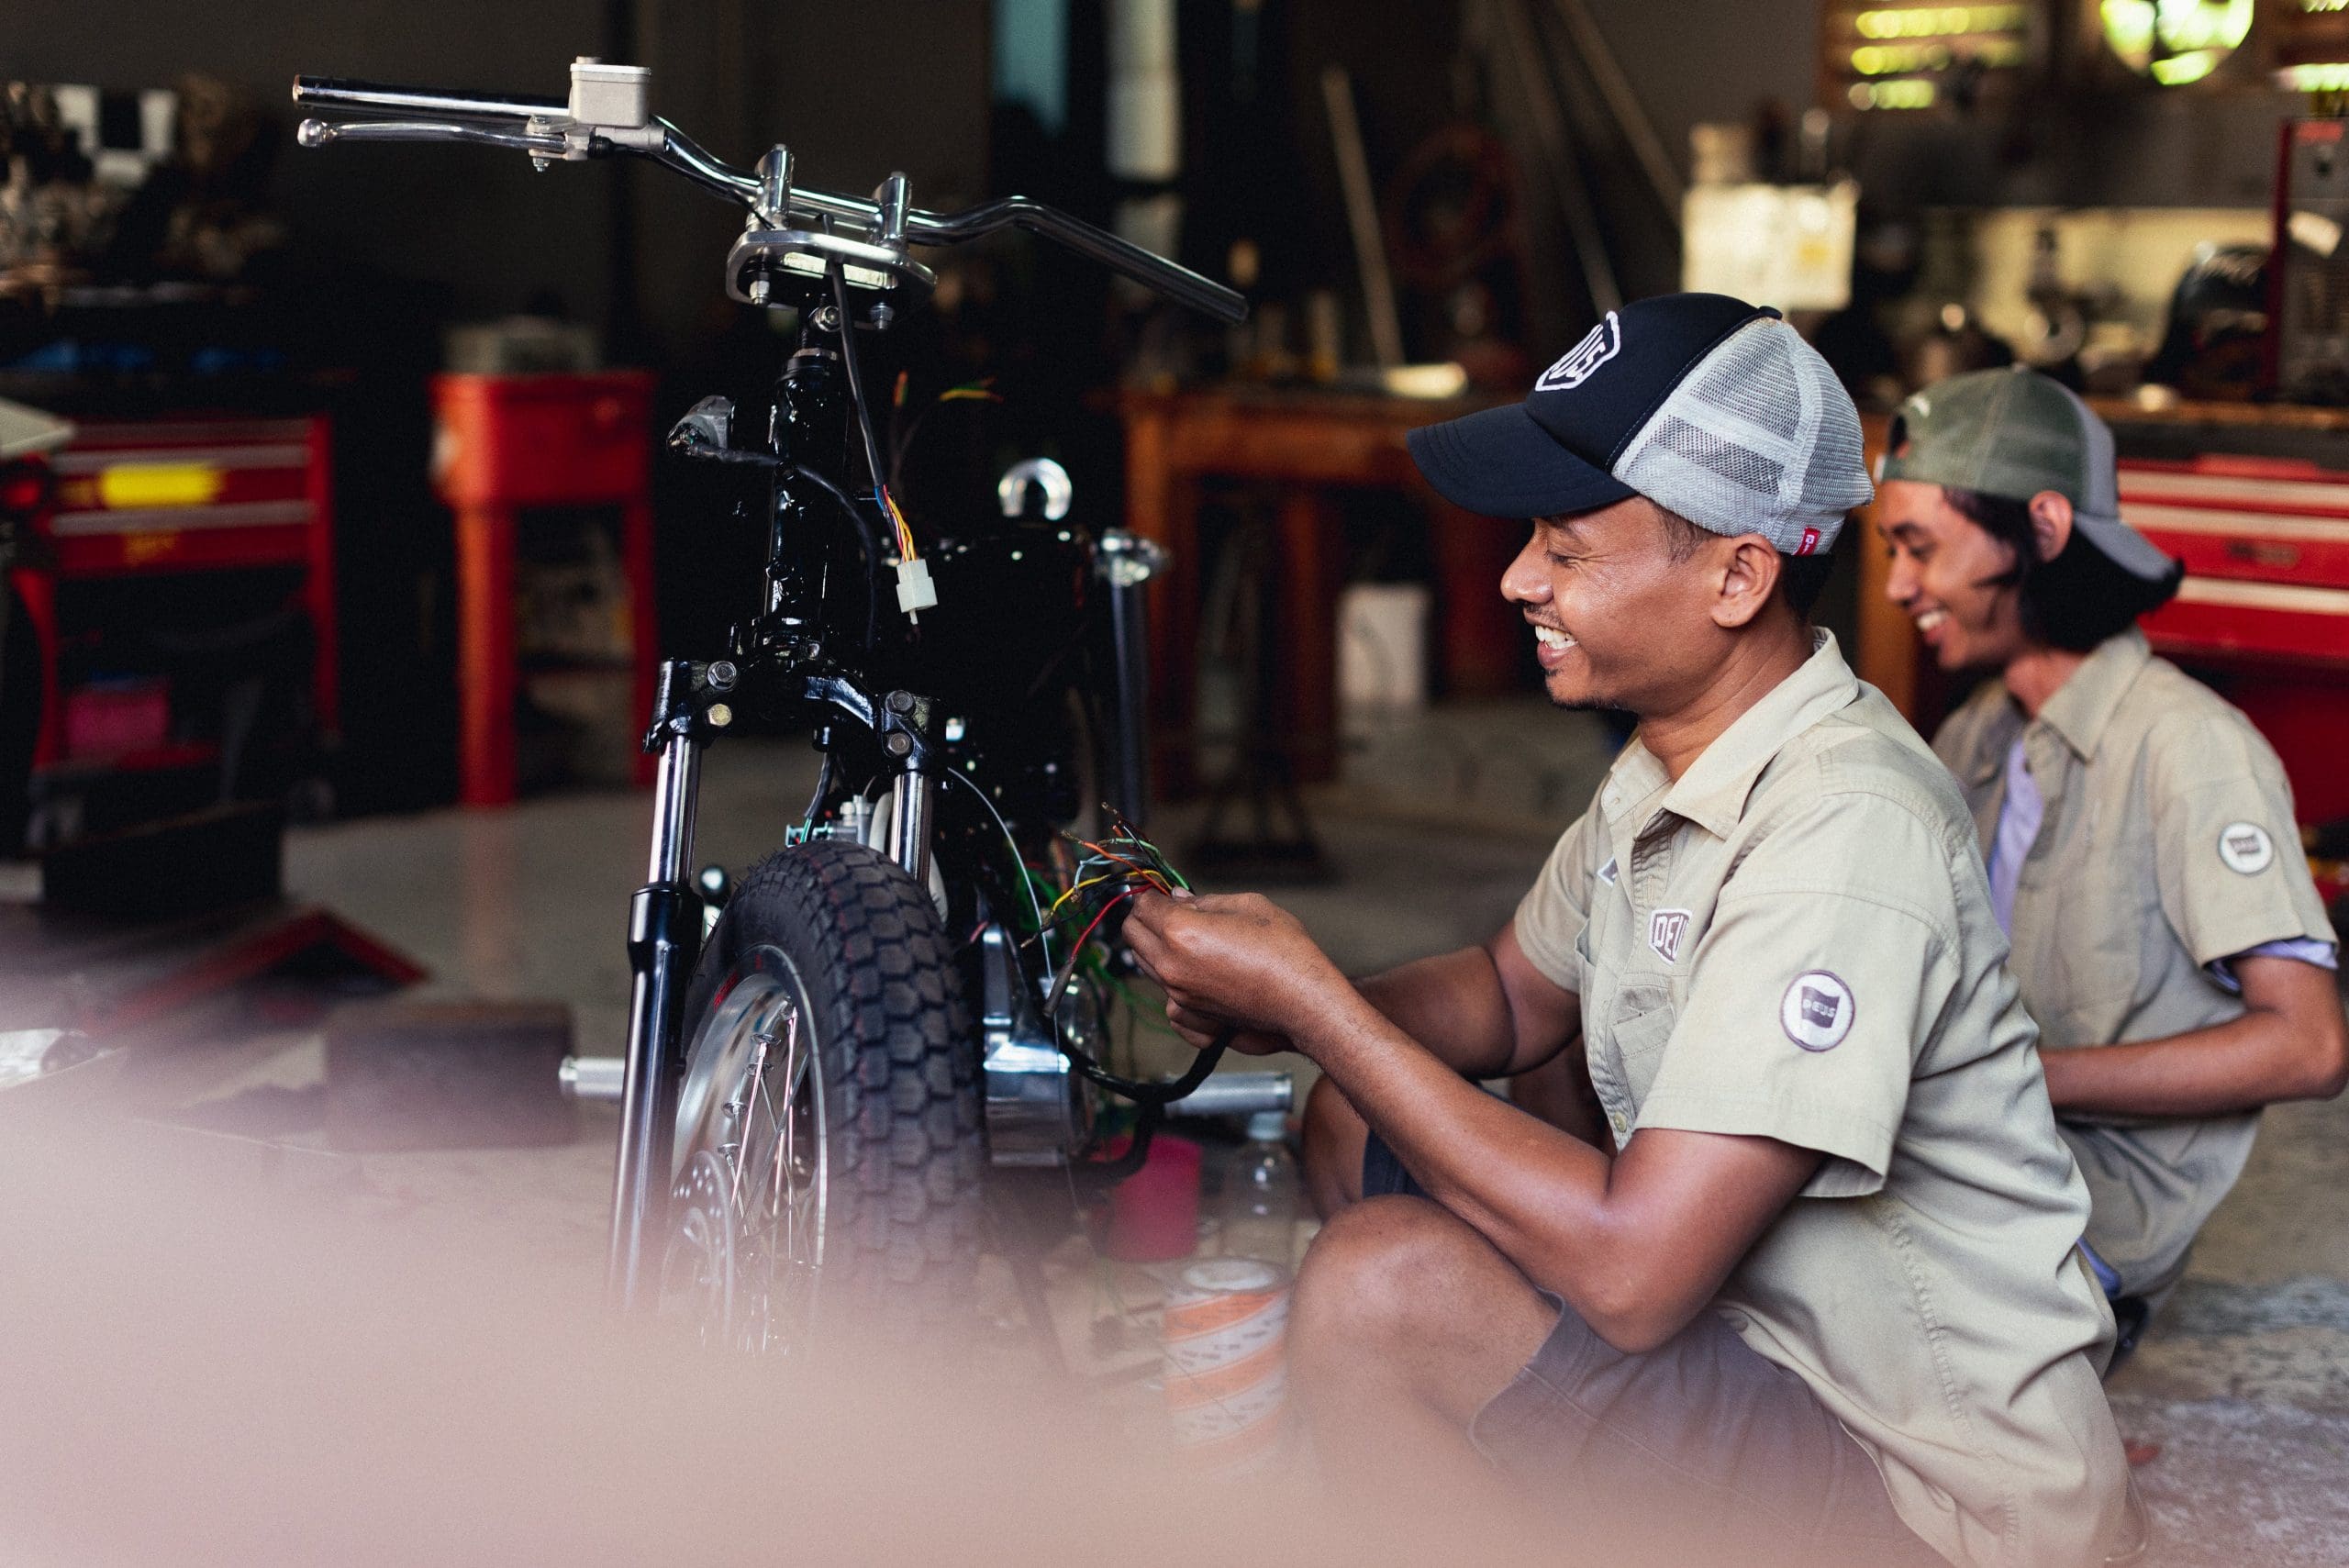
x=1144, y=868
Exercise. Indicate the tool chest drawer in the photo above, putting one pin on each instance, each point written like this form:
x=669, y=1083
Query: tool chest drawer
x=2265, y=544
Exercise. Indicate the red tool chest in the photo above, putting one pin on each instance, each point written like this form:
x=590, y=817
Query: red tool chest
x=2264, y=607
x=148, y=499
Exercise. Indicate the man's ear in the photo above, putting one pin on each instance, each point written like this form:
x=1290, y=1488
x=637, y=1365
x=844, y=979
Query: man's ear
x=2051, y=522
x=1749, y=575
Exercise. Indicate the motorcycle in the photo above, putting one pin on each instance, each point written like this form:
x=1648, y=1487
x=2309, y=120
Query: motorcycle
x=819, y=1085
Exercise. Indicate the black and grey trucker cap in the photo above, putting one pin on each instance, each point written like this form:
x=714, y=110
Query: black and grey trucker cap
x=1707, y=406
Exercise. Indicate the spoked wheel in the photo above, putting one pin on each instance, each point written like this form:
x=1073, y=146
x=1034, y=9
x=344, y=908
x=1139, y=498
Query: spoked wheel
x=748, y=1211
x=830, y=1151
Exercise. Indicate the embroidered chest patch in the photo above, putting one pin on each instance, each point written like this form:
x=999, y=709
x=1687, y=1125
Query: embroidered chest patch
x=1665, y=927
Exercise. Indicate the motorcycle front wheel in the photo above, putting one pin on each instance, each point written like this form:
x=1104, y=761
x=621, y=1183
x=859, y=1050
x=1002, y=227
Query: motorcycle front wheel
x=830, y=1143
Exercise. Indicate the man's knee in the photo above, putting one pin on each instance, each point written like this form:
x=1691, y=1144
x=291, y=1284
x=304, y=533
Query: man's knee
x=1334, y=1136
x=1380, y=1272
x=1403, y=1293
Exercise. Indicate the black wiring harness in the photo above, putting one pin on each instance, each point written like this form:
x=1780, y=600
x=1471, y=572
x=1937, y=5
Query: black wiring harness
x=1115, y=871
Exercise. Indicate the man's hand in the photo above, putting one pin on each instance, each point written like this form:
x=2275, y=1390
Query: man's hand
x=1234, y=960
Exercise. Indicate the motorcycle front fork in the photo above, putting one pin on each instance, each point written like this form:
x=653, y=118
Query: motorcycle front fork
x=664, y=944
x=663, y=941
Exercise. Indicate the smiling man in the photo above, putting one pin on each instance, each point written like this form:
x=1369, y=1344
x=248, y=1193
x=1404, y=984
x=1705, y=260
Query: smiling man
x=1799, y=1282
x=2138, y=830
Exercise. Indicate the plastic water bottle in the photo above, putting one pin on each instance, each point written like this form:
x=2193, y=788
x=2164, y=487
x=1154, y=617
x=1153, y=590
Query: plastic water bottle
x=1261, y=1195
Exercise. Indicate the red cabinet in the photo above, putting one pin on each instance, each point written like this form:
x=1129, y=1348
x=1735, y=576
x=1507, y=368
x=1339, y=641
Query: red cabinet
x=2265, y=607
x=505, y=443
x=139, y=499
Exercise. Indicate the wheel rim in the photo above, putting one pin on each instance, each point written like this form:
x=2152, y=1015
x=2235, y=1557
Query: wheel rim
x=748, y=1211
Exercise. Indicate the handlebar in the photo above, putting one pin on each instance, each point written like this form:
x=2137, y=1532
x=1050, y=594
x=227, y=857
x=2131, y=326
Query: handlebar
x=548, y=129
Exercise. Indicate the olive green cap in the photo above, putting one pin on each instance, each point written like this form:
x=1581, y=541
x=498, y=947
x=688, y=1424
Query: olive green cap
x=2014, y=433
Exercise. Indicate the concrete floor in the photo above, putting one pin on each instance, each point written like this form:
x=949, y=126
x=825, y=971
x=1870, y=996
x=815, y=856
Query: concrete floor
x=2244, y=1383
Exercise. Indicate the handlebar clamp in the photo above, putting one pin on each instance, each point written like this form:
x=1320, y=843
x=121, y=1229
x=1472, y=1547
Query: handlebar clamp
x=760, y=254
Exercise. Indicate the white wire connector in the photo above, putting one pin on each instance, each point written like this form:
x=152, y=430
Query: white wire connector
x=916, y=592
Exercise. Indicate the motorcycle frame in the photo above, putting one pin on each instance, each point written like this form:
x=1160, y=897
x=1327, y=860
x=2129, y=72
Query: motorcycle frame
x=781, y=653
x=784, y=657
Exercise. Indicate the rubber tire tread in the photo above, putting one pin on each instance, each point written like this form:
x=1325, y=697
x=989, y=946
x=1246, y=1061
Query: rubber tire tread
x=909, y=1154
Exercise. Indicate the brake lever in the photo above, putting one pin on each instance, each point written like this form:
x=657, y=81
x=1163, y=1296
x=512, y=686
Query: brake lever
x=318, y=133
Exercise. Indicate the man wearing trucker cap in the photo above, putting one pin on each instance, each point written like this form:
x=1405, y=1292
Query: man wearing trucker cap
x=1800, y=1281
x=2138, y=830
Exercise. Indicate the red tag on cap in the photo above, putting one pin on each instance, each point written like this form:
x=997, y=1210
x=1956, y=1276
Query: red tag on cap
x=1809, y=541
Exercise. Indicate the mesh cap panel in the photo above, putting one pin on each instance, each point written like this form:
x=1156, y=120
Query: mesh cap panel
x=1732, y=460
x=1760, y=439
x=1759, y=389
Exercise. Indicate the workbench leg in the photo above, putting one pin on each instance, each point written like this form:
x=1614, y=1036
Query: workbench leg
x=644, y=629
x=1481, y=635
x=487, y=681
x=1312, y=573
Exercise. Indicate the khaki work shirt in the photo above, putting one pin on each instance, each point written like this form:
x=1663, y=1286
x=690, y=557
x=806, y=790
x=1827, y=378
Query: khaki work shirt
x=2167, y=843
x=1795, y=942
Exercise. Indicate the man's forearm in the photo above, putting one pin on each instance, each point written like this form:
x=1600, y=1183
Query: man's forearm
x=2251, y=1062
x=1636, y=1255
x=1451, y=1004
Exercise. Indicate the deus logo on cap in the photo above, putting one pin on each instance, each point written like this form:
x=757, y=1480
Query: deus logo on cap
x=1600, y=345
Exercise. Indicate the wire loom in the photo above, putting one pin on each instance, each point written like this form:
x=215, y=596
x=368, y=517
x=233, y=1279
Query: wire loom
x=1113, y=871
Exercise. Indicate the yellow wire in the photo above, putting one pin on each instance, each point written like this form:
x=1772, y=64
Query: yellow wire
x=906, y=550
x=1088, y=881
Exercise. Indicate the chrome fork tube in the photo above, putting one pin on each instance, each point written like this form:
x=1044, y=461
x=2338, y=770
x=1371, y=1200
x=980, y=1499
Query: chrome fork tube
x=663, y=941
x=913, y=802
x=677, y=785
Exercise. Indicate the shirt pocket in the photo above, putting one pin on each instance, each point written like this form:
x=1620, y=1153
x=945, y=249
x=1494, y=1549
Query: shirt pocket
x=2104, y=912
x=1643, y=1022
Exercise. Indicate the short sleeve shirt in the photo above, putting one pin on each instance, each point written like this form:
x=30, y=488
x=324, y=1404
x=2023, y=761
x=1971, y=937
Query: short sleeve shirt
x=2167, y=842
x=1795, y=941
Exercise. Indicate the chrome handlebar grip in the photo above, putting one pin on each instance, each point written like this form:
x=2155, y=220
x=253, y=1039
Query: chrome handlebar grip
x=336, y=96
x=317, y=133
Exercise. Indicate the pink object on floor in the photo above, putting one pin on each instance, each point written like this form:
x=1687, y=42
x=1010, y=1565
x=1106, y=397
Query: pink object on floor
x=1154, y=1213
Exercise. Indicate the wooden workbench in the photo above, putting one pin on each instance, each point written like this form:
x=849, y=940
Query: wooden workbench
x=1307, y=445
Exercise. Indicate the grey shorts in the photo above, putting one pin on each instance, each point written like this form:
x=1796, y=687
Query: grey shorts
x=1700, y=1451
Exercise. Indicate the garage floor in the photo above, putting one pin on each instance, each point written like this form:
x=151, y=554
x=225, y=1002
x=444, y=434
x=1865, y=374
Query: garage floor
x=2243, y=1383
